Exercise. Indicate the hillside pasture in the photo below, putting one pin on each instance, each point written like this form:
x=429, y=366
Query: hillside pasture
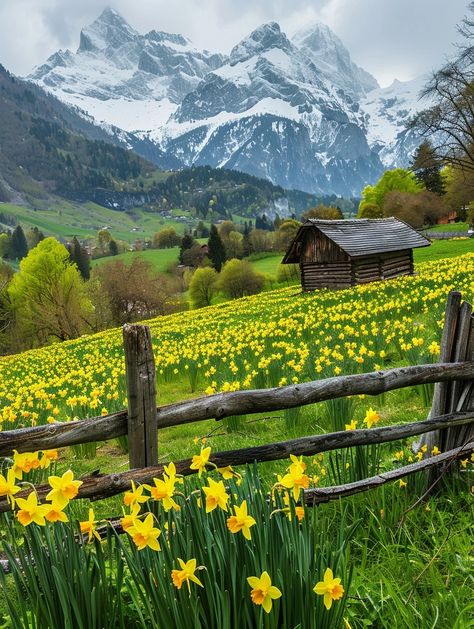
x=399, y=560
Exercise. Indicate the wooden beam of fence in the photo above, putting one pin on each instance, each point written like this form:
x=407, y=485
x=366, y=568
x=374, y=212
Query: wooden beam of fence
x=103, y=486
x=142, y=427
x=224, y=405
x=318, y=495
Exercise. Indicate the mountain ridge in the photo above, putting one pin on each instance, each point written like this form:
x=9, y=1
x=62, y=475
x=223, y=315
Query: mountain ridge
x=297, y=111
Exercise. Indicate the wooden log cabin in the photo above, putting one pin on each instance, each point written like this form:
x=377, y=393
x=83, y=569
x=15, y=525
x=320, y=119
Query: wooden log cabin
x=343, y=253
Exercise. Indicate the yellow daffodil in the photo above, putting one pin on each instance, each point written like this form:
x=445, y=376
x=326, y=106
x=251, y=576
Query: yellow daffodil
x=129, y=518
x=135, y=495
x=263, y=592
x=352, y=425
x=371, y=418
x=330, y=588
x=55, y=514
x=241, y=521
x=30, y=511
x=163, y=491
x=227, y=472
x=88, y=527
x=186, y=574
x=64, y=488
x=24, y=462
x=216, y=496
x=8, y=487
x=144, y=534
x=200, y=460
x=47, y=457
x=298, y=466
x=299, y=510
x=295, y=482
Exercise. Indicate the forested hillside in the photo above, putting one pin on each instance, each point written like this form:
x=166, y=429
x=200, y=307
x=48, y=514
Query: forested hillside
x=41, y=151
x=47, y=148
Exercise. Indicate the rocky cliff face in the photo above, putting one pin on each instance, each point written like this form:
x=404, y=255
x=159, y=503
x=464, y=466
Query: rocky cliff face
x=297, y=111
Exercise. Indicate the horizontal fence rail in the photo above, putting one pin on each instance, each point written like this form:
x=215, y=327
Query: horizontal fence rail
x=224, y=405
x=98, y=487
x=318, y=495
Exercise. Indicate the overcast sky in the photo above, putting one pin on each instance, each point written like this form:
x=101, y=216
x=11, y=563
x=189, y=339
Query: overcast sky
x=389, y=38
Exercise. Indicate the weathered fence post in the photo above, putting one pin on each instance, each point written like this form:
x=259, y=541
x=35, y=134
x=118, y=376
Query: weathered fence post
x=141, y=392
x=457, y=345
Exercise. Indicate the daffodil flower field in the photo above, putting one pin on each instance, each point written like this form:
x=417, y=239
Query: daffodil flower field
x=236, y=548
x=270, y=339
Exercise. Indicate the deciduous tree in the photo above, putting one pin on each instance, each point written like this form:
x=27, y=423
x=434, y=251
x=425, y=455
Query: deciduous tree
x=203, y=287
x=323, y=212
x=238, y=278
x=135, y=291
x=399, y=179
x=166, y=238
x=48, y=295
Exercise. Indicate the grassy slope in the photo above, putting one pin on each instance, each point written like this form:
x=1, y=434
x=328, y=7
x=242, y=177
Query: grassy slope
x=160, y=258
x=65, y=220
x=450, y=227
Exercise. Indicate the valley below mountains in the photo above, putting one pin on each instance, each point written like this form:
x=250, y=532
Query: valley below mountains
x=296, y=111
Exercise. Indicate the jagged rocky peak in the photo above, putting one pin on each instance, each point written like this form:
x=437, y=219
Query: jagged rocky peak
x=318, y=37
x=265, y=37
x=333, y=59
x=110, y=29
x=163, y=37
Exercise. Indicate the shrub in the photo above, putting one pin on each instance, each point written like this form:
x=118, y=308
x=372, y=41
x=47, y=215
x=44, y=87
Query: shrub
x=238, y=278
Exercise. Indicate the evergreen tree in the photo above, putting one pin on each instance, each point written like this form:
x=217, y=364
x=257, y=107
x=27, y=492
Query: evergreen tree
x=216, y=247
x=80, y=257
x=33, y=237
x=186, y=243
x=246, y=244
x=427, y=168
x=113, y=248
x=18, y=244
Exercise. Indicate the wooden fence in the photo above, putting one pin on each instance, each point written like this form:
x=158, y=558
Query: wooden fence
x=450, y=423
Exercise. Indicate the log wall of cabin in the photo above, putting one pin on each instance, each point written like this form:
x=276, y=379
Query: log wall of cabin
x=323, y=263
x=330, y=275
x=396, y=263
x=366, y=269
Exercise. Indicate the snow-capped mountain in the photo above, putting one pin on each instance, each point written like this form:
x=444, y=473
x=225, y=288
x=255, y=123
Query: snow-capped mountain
x=297, y=111
x=269, y=111
x=124, y=78
x=388, y=111
x=333, y=61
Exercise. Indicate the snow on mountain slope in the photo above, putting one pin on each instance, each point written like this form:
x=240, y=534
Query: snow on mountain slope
x=333, y=61
x=268, y=111
x=388, y=110
x=130, y=80
x=297, y=111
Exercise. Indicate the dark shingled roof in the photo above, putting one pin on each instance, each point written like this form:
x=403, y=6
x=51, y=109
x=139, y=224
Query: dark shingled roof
x=362, y=237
